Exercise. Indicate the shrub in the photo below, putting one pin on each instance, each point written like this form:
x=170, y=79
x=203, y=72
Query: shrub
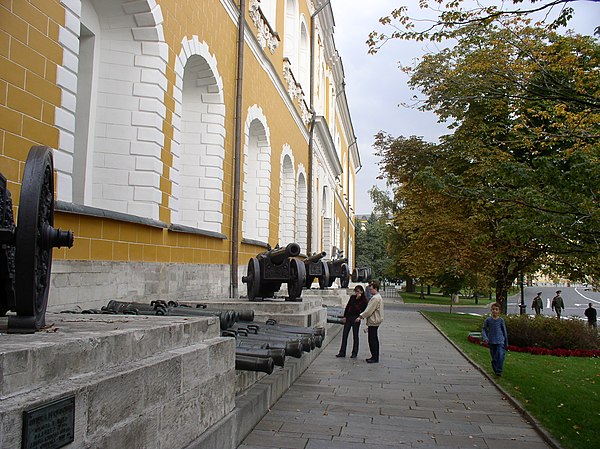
x=550, y=333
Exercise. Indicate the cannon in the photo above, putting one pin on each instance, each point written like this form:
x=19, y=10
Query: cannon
x=335, y=315
x=245, y=337
x=26, y=249
x=316, y=268
x=278, y=355
x=254, y=363
x=268, y=270
x=362, y=274
x=227, y=318
x=338, y=268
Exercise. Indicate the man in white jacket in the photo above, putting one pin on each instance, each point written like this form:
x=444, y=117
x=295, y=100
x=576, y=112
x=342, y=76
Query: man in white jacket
x=374, y=315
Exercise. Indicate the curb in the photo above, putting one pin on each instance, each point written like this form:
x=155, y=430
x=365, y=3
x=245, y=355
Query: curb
x=534, y=422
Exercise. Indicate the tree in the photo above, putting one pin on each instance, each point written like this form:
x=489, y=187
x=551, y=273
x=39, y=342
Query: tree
x=453, y=17
x=520, y=173
x=371, y=246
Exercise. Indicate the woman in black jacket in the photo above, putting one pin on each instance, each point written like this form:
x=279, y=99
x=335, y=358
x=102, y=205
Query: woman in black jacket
x=356, y=304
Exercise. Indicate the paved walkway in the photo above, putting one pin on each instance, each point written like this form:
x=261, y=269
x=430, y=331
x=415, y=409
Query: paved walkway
x=423, y=394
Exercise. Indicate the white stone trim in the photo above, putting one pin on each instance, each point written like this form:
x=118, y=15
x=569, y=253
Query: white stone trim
x=198, y=145
x=256, y=188
x=301, y=220
x=287, y=196
x=118, y=123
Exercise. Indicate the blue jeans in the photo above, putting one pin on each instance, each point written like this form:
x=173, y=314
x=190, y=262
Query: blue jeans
x=498, y=352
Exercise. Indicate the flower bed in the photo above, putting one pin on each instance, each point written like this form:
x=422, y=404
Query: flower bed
x=543, y=351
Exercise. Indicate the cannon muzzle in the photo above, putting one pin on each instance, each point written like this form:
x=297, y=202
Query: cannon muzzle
x=338, y=261
x=315, y=257
x=277, y=256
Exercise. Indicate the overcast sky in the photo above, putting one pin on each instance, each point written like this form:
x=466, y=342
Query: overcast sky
x=375, y=86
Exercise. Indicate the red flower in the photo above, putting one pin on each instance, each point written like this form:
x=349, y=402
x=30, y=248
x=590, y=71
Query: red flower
x=544, y=351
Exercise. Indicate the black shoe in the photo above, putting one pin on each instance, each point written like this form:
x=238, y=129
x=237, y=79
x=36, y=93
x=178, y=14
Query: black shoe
x=340, y=355
x=353, y=356
x=372, y=361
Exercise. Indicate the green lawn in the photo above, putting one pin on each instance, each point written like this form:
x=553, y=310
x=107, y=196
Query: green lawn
x=437, y=298
x=562, y=393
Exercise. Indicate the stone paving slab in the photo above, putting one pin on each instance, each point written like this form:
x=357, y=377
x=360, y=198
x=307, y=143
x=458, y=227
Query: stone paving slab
x=424, y=394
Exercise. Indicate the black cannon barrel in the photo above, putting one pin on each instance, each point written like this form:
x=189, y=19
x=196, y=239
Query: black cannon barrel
x=278, y=255
x=307, y=340
x=278, y=355
x=338, y=261
x=315, y=341
x=315, y=257
x=293, y=348
x=292, y=328
x=133, y=308
x=249, y=363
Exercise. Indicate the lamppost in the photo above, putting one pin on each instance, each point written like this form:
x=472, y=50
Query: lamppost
x=522, y=305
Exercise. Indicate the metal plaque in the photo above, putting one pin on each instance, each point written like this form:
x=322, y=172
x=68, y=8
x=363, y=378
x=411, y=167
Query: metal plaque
x=49, y=426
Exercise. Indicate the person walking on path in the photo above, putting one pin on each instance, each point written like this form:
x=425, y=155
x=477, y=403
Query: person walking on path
x=368, y=293
x=591, y=315
x=494, y=333
x=537, y=304
x=557, y=304
x=374, y=315
x=356, y=304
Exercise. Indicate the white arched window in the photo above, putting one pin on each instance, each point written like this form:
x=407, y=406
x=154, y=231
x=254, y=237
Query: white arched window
x=287, y=194
x=290, y=41
x=199, y=141
x=327, y=221
x=304, y=57
x=301, y=221
x=257, y=177
x=115, y=139
x=269, y=10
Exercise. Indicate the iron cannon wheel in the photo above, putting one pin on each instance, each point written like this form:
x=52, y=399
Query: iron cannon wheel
x=7, y=254
x=345, y=277
x=33, y=256
x=324, y=280
x=253, y=278
x=297, y=279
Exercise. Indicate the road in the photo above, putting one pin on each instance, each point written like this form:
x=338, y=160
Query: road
x=576, y=300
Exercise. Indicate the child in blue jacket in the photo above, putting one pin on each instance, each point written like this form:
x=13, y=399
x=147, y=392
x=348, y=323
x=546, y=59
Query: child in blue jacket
x=494, y=333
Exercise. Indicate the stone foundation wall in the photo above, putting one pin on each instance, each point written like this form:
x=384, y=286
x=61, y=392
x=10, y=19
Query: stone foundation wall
x=91, y=284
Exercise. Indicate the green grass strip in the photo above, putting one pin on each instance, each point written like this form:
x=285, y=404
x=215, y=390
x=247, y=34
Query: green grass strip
x=562, y=393
x=439, y=299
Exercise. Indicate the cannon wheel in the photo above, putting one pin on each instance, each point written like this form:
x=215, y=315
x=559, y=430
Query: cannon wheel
x=7, y=255
x=324, y=279
x=33, y=253
x=253, y=278
x=355, y=275
x=345, y=277
x=297, y=279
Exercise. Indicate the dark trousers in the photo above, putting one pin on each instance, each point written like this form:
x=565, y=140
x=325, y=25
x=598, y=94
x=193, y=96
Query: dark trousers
x=498, y=353
x=373, y=342
x=350, y=324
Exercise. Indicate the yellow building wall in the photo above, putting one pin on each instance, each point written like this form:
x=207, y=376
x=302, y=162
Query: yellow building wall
x=29, y=56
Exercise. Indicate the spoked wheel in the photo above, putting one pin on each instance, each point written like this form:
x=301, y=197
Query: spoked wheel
x=34, y=239
x=7, y=250
x=252, y=278
x=297, y=280
x=345, y=278
x=324, y=279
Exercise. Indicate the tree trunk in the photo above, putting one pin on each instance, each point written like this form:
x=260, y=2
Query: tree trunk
x=410, y=285
x=504, y=279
